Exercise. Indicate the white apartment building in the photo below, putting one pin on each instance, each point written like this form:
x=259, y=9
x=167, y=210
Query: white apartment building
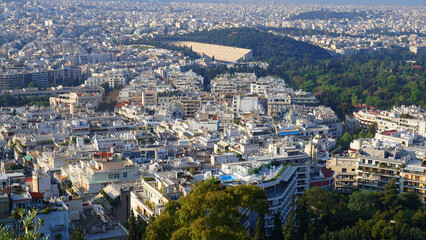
x=280, y=175
x=93, y=176
x=399, y=118
x=112, y=77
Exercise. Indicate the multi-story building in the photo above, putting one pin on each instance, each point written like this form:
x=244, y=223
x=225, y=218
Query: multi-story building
x=54, y=91
x=11, y=80
x=281, y=174
x=93, y=176
x=372, y=164
x=40, y=77
x=106, y=144
x=346, y=173
x=71, y=102
x=399, y=118
x=279, y=103
x=246, y=104
x=112, y=77
x=157, y=191
x=304, y=98
x=65, y=75
x=378, y=166
x=238, y=83
x=149, y=98
x=190, y=107
x=413, y=178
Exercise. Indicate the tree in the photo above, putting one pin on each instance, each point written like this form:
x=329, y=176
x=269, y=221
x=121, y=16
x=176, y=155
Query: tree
x=28, y=226
x=106, y=87
x=33, y=85
x=131, y=227
x=289, y=231
x=419, y=218
x=276, y=233
x=363, y=202
x=389, y=200
x=361, y=215
x=260, y=233
x=345, y=141
x=371, y=130
x=411, y=200
x=209, y=211
x=302, y=217
x=77, y=235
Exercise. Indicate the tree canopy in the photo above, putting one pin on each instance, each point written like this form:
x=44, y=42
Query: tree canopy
x=322, y=214
x=266, y=46
x=209, y=211
x=382, y=78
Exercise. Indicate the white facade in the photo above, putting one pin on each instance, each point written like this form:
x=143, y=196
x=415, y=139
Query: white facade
x=113, y=78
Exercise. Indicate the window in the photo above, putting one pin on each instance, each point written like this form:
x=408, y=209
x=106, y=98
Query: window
x=113, y=175
x=124, y=175
x=343, y=170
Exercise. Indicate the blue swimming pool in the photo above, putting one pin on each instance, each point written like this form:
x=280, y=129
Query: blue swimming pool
x=227, y=178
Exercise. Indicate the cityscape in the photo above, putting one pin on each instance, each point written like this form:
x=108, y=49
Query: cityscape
x=263, y=120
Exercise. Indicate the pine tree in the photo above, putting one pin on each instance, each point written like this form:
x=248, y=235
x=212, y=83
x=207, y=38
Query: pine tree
x=389, y=200
x=260, y=228
x=289, y=230
x=77, y=235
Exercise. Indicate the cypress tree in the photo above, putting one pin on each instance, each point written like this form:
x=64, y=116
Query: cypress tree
x=289, y=230
x=260, y=228
x=132, y=226
x=277, y=231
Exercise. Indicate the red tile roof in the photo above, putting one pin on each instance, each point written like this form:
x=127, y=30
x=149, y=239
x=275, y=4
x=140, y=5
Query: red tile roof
x=122, y=104
x=327, y=172
x=103, y=154
x=363, y=106
x=36, y=195
x=388, y=133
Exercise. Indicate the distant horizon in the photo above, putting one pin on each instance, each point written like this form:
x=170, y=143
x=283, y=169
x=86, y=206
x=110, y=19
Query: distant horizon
x=363, y=2
x=334, y=2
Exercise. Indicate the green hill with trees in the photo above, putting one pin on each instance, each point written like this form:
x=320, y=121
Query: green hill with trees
x=383, y=78
x=322, y=214
x=266, y=46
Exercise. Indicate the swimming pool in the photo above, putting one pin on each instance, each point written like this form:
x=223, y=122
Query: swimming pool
x=227, y=178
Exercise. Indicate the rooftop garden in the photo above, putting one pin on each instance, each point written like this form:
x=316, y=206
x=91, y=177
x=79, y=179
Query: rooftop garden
x=268, y=166
x=279, y=173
